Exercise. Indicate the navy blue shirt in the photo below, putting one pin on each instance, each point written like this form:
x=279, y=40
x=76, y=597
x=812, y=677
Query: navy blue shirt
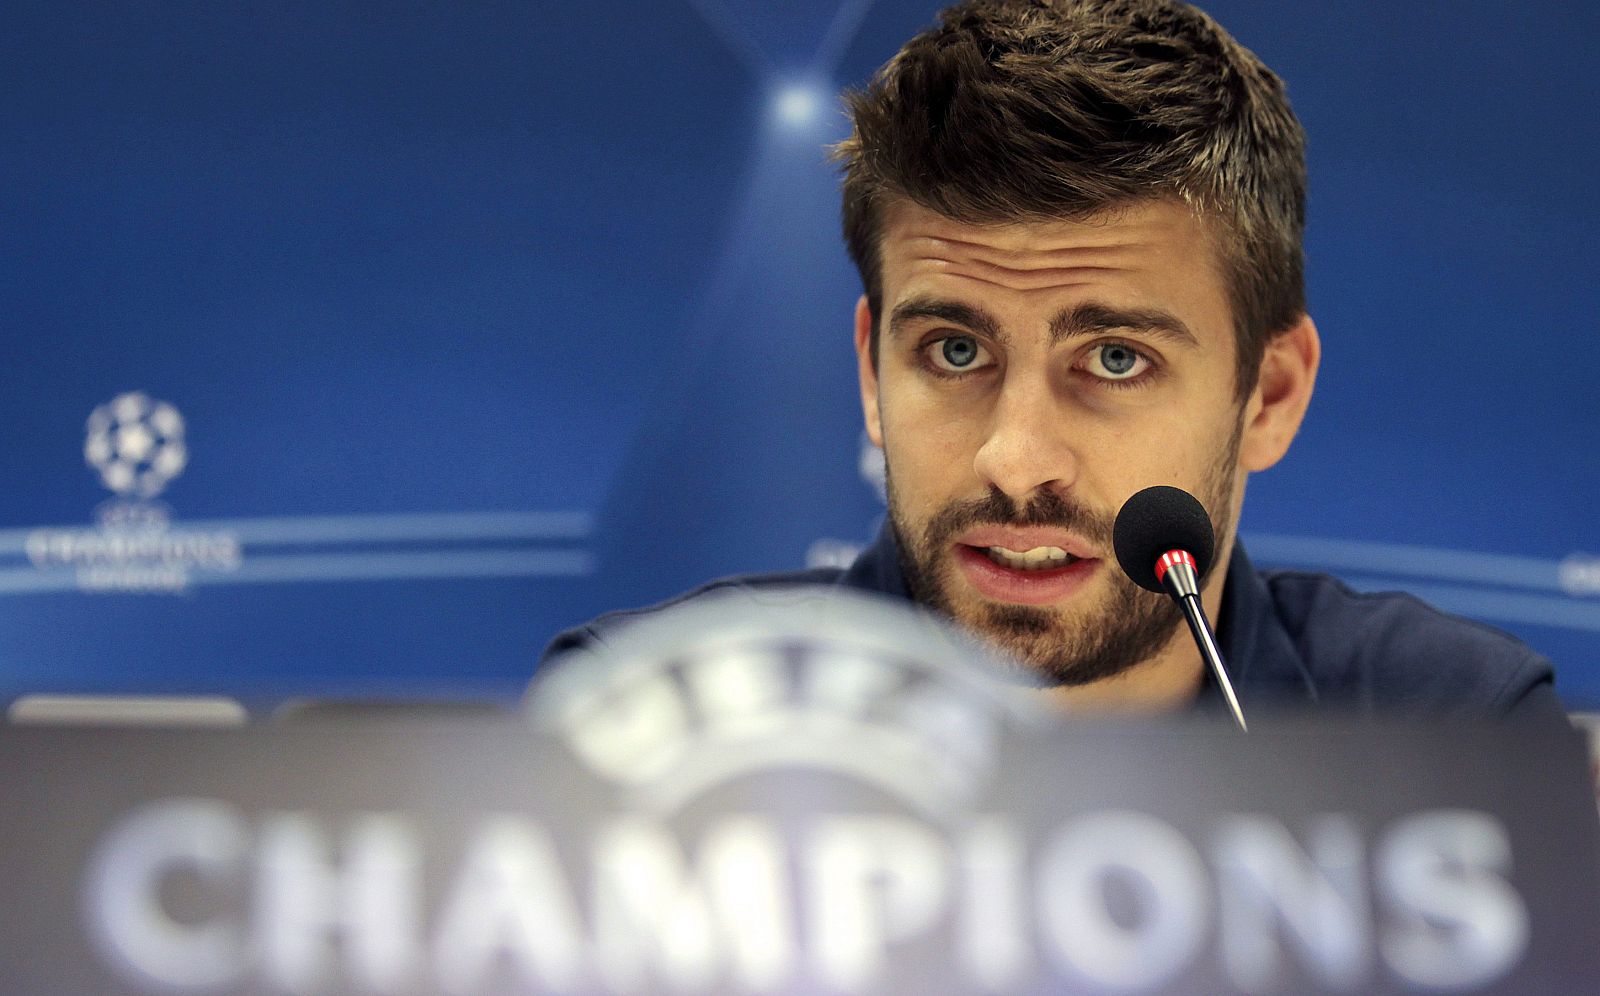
x=1290, y=639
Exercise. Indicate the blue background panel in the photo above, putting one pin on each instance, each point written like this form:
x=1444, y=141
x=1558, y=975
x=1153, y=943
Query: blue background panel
x=486, y=318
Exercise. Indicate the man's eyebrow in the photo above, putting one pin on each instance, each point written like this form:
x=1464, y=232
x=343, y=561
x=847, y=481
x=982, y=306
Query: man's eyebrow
x=1096, y=319
x=949, y=312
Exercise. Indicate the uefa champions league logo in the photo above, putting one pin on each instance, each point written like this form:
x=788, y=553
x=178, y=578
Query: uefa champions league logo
x=136, y=444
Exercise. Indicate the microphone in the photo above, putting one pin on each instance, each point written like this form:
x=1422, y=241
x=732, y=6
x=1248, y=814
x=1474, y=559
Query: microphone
x=1164, y=542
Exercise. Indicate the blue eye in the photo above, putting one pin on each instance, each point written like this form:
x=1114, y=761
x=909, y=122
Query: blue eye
x=960, y=352
x=957, y=354
x=1116, y=361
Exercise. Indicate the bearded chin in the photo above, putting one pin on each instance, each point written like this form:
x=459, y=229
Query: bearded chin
x=1073, y=645
x=1051, y=647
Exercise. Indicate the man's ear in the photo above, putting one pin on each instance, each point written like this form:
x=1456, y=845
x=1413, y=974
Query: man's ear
x=867, y=369
x=1283, y=390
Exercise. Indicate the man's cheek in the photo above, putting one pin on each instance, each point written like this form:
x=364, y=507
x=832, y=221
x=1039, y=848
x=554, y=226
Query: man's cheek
x=932, y=477
x=928, y=448
x=948, y=437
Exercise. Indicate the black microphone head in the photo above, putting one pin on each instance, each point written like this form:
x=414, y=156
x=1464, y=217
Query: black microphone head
x=1154, y=521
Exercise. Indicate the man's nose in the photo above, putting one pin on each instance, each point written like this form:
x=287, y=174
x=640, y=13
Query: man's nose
x=1027, y=447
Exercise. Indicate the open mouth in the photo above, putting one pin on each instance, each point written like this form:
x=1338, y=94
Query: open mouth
x=1039, y=575
x=1039, y=558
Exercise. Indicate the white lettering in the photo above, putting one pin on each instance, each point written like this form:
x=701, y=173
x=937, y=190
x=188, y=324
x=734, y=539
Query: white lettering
x=303, y=902
x=1460, y=923
x=993, y=938
x=123, y=894
x=652, y=917
x=846, y=684
x=739, y=690
x=1159, y=871
x=509, y=901
x=633, y=734
x=1265, y=879
x=875, y=880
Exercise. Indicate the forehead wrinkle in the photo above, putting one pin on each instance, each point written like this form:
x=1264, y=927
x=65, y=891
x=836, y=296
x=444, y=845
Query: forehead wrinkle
x=1031, y=256
x=1128, y=233
x=1031, y=278
x=1047, y=283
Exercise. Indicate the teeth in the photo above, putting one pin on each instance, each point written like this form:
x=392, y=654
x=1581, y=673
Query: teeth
x=1037, y=559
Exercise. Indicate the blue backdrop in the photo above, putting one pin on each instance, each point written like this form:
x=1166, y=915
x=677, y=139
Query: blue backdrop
x=356, y=348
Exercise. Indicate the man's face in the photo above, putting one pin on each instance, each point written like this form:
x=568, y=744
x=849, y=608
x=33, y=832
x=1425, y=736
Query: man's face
x=1030, y=378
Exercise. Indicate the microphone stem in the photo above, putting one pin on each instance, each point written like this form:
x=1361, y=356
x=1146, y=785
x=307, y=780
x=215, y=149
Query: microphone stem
x=1207, y=643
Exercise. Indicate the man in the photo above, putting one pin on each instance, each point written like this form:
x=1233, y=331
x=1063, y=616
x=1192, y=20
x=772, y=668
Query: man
x=1078, y=225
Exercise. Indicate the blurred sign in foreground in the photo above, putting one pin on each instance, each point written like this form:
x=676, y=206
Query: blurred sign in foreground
x=796, y=795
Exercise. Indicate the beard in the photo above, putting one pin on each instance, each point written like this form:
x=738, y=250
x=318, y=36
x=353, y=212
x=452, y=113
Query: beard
x=1059, y=647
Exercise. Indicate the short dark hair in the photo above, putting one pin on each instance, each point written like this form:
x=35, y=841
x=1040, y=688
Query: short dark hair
x=1032, y=110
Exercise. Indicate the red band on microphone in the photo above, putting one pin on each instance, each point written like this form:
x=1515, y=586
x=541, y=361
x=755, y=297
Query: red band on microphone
x=1172, y=558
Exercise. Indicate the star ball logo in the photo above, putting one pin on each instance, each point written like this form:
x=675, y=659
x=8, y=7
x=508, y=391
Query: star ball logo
x=135, y=443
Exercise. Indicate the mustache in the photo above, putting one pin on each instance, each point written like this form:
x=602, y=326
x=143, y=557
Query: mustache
x=999, y=509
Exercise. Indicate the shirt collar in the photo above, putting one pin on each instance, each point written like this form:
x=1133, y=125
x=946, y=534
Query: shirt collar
x=1262, y=660
x=878, y=567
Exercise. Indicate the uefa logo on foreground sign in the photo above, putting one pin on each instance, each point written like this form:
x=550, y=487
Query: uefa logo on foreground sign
x=136, y=445
x=743, y=681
